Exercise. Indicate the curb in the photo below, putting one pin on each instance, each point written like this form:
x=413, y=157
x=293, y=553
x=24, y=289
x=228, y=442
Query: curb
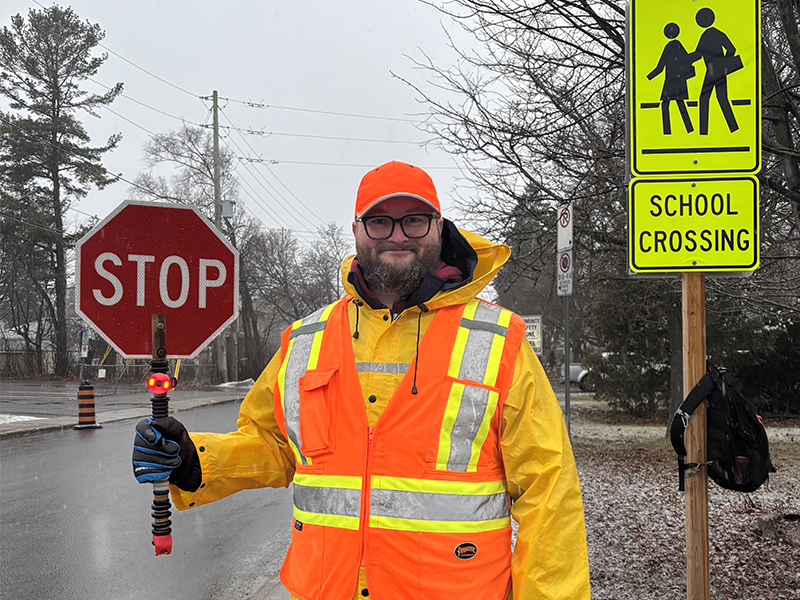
x=35, y=426
x=272, y=590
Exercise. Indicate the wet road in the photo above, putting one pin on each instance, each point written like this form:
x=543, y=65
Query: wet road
x=76, y=525
x=60, y=398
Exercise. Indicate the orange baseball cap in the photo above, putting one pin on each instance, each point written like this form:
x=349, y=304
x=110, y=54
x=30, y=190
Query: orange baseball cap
x=395, y=179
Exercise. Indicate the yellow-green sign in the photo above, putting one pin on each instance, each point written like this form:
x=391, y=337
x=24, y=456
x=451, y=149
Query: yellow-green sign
x=693, y=224
x=695, y=86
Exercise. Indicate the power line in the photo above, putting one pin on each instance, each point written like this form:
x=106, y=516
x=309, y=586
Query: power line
x=166, y=114
x=113, y=112
x=68, y=151
x=261, y=105
x=311, y=212
x=279, y=198
x=301, y=218
x=275, y=161
x=72, y=208
x=37, y=226
x=146, y=71
x=133, y=63
x=255, y=199
x=262, y=133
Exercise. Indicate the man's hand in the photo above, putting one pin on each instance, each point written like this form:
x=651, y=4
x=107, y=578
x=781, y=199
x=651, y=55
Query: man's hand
x=162, y=449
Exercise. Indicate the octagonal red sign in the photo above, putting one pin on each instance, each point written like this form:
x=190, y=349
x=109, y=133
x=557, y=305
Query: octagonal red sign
x=150, y=258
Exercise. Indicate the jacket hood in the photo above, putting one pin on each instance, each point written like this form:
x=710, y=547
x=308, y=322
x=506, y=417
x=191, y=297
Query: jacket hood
x=477, y=258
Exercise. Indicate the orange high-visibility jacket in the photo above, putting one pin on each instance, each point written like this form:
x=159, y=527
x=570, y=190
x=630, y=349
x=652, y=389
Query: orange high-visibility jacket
x=420, y=499
x=549, y=560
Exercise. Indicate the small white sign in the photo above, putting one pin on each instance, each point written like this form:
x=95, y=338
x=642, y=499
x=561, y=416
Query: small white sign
x=565, y=218
x=564, y=273
x=533, y=332
x=101, y=373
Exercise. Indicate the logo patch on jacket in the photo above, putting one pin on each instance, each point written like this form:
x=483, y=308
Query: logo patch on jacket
x=298, y=525
x=465, y=551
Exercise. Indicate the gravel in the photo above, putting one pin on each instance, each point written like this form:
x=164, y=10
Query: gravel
x=635, y=514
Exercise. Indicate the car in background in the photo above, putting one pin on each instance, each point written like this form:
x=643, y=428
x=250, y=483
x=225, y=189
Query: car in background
x=579, y=375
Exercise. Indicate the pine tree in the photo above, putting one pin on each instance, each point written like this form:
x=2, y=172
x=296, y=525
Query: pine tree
x=45, y=148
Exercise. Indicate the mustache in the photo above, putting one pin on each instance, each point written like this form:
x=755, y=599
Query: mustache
x=408, y=245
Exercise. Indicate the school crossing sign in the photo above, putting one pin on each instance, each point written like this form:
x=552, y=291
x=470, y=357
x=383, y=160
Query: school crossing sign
x=694, y=135
x=693, y=224
x=695, y=86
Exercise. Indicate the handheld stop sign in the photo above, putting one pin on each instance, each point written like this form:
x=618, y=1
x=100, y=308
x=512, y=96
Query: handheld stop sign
x=145, y=265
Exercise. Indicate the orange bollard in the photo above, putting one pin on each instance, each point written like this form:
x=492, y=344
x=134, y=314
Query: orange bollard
x=86, y=417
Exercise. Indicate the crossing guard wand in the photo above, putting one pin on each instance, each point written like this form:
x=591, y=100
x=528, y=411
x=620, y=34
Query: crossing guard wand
x=159, y=383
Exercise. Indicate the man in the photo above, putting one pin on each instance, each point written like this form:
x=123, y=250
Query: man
x=411, y=417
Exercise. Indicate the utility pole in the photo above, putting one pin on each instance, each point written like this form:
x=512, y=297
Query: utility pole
x=217, y=193
x=219, y=345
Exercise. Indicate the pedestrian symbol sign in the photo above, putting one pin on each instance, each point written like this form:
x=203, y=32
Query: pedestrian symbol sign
x=695, y=86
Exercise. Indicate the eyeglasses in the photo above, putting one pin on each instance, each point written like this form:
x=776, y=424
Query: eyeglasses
x=382, y=227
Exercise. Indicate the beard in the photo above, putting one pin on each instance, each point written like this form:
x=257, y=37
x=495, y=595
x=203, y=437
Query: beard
x=399, y=279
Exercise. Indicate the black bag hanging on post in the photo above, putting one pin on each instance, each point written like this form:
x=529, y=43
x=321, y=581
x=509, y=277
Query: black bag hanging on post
x=738, y=450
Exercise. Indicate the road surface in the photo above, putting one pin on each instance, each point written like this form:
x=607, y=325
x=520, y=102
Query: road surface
x=76, y=525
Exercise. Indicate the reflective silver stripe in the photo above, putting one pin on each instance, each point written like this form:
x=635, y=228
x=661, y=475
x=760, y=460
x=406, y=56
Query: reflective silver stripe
x=295, y=367
x=479, y=343
x=471, y=413
x=498, y=329
x=423, y=506
x=372, y=367
x=306, y=329
x=328, y=501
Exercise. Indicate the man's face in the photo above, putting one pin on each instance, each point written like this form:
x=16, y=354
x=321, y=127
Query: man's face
x=398, y=263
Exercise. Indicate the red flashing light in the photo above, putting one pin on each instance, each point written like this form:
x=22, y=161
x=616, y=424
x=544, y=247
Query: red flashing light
x=159, y=383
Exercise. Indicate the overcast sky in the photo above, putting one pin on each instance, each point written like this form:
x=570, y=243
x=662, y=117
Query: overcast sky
x=316, y=55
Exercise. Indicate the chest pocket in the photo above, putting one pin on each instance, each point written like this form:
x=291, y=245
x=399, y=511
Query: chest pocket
x=318, y=400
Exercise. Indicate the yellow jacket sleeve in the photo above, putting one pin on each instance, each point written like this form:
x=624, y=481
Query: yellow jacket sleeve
x=255, y=455
x=550, y=560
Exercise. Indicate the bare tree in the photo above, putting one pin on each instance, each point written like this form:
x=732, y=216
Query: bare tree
x=188, y=151
x=537, y=112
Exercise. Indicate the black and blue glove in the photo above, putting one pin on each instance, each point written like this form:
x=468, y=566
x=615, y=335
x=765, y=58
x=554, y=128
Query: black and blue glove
x=162, y=449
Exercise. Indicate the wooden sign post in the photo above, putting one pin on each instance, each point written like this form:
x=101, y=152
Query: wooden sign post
x=681, y=162
x=693, y=292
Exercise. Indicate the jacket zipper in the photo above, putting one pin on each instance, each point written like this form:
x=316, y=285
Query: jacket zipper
x=365, y=495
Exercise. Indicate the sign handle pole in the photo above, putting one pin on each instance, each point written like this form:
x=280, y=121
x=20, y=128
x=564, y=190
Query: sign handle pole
x=693, y=292
x=162, y=532
x=566, y=363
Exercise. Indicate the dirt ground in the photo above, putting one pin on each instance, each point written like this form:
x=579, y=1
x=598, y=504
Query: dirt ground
x=635, y=513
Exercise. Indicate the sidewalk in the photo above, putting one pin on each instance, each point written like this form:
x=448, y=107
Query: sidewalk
x=36, y=407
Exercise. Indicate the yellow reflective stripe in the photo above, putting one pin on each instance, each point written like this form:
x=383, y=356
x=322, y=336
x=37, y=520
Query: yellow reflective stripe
x=483, y=431
x=311, y=363
x=458, y=352
x=470, y=308
x=461, y=339
x=438, y=486
x=313, y=359
x=438, y=526
x=450, y=414
x=346, y=482
x=326, y=520
x=496, y=353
